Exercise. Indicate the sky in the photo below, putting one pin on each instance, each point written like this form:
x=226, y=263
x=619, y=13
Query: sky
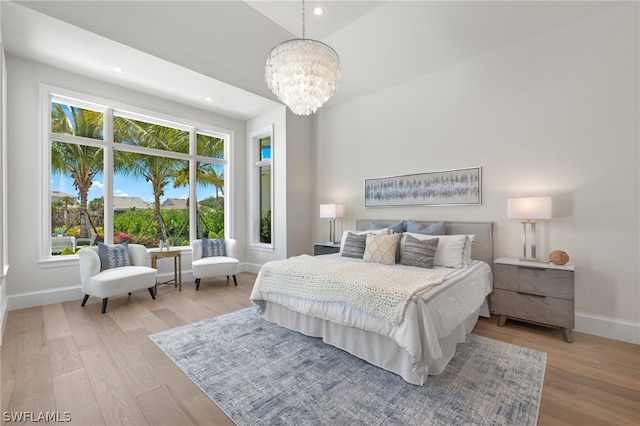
x=126, y=187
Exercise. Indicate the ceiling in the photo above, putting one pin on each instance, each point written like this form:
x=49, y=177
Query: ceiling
x=190, y=50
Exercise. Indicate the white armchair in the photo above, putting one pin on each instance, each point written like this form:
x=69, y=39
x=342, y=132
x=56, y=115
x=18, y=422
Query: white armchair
x=204, y=267
x=115, y=281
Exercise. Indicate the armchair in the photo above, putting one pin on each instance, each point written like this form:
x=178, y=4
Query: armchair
x=116, y=280
x=204, y=267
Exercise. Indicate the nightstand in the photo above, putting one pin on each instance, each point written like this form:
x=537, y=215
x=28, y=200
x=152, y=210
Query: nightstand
x=541, y=293
x=325, y=248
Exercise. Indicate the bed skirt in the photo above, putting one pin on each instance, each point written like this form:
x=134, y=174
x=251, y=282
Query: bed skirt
x=374, y=348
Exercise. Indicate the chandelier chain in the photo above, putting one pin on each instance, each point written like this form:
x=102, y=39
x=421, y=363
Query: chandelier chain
x=303, y=23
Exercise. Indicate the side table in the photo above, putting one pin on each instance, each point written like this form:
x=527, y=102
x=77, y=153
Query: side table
x=325, y=248
x=541, y=293
x=177, y=267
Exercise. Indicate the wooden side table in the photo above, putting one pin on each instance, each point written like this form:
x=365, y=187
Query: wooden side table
x=177, y=267
x=541, y=293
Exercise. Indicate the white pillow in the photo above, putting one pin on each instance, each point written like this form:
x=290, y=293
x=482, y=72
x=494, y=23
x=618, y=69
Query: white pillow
x=467, y=250
x=381, y=248
x=453, y=251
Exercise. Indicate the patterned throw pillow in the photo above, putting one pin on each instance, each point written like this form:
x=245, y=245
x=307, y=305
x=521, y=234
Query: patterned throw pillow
x=354, y=245
x=381, y=248
x=211, y=248
x=418, y=253
x=113, y=256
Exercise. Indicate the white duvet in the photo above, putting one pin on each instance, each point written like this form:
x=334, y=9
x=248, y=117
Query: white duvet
x=376, y=289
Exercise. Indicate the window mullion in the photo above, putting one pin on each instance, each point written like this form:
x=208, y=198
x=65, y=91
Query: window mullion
x=193, y=183
x=108, y=176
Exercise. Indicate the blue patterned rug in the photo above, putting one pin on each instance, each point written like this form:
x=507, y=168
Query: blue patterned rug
x=261, y=374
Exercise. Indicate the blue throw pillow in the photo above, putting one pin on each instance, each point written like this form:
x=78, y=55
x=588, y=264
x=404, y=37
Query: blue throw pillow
x=113, y=256
x=396, y=227
x=211, y=248
x=435, y=229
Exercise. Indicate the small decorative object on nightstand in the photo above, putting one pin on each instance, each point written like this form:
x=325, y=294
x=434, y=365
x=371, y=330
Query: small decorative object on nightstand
x=325, y=248
x=541, y=293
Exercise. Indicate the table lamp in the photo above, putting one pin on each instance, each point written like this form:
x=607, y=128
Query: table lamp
x=331, y=212
x=529, y=209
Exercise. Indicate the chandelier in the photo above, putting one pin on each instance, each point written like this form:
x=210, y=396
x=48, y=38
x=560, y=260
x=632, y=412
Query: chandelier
x=303, y=73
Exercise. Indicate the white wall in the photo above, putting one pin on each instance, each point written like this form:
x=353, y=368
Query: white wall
x=293, y=174
x=29, y=284
x=4, y=225
x=553, y=115
x=256, y=256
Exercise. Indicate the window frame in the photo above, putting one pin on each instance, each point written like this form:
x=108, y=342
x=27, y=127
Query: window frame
x=255, y=212
x=49, y=94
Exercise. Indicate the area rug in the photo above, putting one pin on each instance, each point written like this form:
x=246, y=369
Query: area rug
x=259, y=373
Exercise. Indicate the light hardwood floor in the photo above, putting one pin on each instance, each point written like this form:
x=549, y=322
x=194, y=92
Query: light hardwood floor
x=104, y=370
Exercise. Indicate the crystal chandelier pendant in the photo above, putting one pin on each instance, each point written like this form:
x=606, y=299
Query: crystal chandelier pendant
x=303, y=73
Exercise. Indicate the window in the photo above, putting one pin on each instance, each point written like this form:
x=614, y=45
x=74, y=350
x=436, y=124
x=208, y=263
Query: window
x=261, y=188
x=119, y=174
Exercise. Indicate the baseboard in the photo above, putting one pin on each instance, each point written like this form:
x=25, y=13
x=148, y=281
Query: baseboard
x=43, y=297
x=253, y=267
x=612, y=328
x=65, y=294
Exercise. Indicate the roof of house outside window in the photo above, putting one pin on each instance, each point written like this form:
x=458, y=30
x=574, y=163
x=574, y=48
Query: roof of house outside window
x=175, y=203
x=121, y=203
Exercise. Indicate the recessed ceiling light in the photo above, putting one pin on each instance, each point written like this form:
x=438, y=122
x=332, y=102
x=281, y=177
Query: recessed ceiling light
x=208, y=99
x=318, y=11
x=118, y=70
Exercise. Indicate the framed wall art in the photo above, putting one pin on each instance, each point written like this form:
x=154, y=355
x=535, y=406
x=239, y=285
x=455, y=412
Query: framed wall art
x=444, y=188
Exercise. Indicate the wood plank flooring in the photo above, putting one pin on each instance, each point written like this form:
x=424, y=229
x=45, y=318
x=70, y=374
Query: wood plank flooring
x=104, y=370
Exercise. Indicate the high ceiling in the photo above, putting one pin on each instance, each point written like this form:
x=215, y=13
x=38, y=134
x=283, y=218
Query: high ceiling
x=190, y=50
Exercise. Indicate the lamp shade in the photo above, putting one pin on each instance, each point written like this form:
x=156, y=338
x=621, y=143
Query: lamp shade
x=529, y=208
x=331, y=211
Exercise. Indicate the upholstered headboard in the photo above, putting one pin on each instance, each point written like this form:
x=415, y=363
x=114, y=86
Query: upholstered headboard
x=482, y=248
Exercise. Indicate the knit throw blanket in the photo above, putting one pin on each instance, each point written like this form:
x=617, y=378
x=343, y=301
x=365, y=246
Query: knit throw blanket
x=380, y=290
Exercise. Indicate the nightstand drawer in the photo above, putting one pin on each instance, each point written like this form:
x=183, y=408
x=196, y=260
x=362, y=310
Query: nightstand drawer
x=534, y=280
x=531, y=307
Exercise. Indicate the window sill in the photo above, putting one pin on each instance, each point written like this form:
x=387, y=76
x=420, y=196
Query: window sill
x=267, y=248
x=57, y=262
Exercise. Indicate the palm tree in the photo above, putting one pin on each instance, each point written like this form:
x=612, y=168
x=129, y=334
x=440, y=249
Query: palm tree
x=81, y=162
x=159, y=171
x=206, y=174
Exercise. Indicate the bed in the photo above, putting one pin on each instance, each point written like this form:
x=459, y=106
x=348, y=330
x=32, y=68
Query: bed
x=414, y=344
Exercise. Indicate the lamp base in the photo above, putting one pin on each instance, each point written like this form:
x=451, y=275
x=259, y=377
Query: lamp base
x=529, y=259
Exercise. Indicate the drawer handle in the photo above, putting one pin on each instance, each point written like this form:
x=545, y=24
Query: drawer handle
x=531, y=294
x=533, y=268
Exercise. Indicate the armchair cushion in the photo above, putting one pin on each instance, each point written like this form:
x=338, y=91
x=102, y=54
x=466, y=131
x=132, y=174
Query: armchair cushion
x=211, y=248
x=113, y=256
